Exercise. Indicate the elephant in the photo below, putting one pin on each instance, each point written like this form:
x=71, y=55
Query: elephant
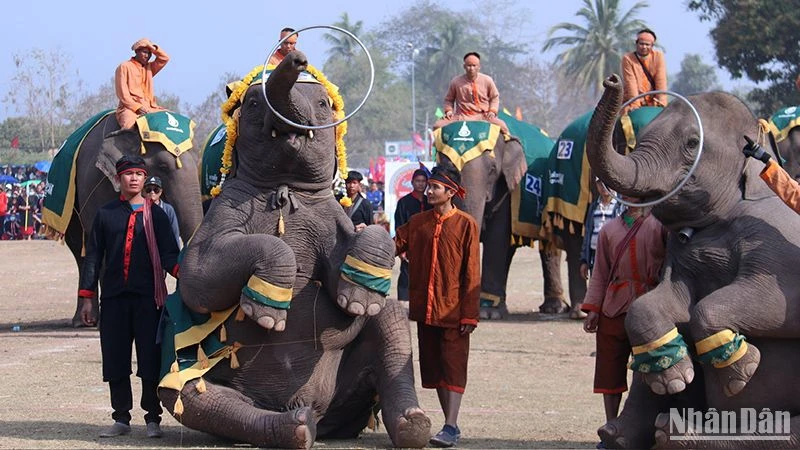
x=95, y=183
x=489, y=179
x=317, y=344
x=728, y=274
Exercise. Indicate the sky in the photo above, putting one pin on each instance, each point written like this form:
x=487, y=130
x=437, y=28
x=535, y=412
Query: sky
x=206, y=39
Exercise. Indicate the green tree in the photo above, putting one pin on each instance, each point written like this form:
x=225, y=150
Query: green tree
x=343, y=45
x=377, y=121
x=757, y=39
x=694, y=77
x=594, y=49
x=20, y=127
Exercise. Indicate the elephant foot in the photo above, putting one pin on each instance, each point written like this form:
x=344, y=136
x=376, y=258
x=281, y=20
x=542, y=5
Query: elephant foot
x=357, y=300
x=413, y=429
x=493, y=312
x=306, y=428
x=736, y=376
x=611, y=435
x=672, y=380
x=268, y=317
x=553, y=305
x=664, y=436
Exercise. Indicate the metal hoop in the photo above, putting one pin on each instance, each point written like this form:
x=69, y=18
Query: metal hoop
x=318, y=127
x=691, y=169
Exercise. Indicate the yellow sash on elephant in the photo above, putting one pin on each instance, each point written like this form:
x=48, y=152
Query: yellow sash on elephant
x=465, y=140
x=172, y=130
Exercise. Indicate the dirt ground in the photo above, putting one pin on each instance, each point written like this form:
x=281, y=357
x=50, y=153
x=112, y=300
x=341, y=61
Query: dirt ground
x=530, y=377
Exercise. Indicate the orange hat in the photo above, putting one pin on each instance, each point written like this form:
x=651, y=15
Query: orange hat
x=143, y=42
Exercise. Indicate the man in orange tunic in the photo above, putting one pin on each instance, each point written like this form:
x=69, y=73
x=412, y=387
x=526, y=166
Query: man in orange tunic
x=644, y=70
x=442, y=245
x=286, y=46
x=472, y=96
x=133, y=82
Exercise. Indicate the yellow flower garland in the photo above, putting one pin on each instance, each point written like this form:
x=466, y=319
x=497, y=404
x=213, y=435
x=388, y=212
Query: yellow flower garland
x=230, y=117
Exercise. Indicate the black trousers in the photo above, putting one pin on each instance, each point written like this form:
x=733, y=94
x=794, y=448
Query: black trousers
x=126, y=320
x=402, y=281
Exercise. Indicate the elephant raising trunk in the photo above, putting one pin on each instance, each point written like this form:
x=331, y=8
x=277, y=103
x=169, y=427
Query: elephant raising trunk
x=734, y=278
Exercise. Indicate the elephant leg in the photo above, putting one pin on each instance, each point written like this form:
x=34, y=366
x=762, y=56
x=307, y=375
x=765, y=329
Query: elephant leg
x=722, y=319
x=496, y=263
x=577, y=284
x=669, y=436
x=256, y=271
x=634, y=427
x=75, y=238
x=366, y=273
x=650, y=324
x=378, y=369
x=228, y=413
x=554, y=302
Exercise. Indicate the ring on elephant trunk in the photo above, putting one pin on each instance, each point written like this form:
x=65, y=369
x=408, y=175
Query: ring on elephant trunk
x=691, y=169
x=345, y=118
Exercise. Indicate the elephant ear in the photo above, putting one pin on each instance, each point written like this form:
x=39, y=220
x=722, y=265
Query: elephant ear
x=513, y=164
x=115, y=145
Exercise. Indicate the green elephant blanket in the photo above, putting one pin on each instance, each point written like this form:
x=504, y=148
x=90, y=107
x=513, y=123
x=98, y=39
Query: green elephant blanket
x=527, y=202
x=59, y=197
x=782, y=122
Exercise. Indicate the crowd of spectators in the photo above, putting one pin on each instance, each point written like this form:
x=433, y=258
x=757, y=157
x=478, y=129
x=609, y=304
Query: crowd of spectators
x=21, y=199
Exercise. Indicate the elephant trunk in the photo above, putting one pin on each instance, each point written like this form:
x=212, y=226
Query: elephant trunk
x=475, y=205
x=280, y=83
x=617, y=171
x=189, y=210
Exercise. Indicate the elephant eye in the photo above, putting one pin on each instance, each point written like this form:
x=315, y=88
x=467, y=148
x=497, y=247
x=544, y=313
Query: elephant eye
x=323, y=103
x=693, y=142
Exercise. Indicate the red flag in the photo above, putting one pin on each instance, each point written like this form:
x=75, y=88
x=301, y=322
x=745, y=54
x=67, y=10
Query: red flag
x=372, y=174
x=417, y=139
x=15, y=142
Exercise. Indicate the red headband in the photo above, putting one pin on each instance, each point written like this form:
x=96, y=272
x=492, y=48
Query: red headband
x=448, y=183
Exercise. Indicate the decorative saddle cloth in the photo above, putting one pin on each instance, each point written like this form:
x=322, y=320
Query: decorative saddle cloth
x=527, y=202
x=566, y=183
x=211, y=162
x=59, y=199
x=782, y=122
x=635, y=121
x=192, y=343
x=464, y=141
x=172, y=130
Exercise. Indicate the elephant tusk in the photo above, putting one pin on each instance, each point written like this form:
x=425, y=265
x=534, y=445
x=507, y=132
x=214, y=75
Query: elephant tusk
x=274, y=133
x=311, y=134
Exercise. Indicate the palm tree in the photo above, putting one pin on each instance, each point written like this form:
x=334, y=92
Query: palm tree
x=445, y=57
x=594, y=50
x=343, y=45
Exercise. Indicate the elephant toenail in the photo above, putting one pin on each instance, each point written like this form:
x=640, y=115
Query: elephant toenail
x=676, y=386
x=734, y=387
x=280, y=326
x=373, y=309
x=356, y=308
x=688, y=375
x=342, y=301
x=266, y=322
x=247, y=308
x=658, y=388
